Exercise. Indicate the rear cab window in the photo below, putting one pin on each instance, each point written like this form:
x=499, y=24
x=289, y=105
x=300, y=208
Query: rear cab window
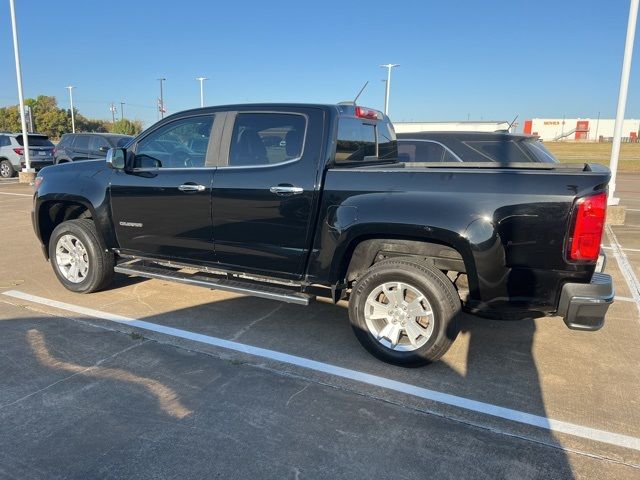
x=364, y=141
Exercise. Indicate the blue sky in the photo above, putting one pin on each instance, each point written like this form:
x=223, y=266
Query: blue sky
x=479, y=59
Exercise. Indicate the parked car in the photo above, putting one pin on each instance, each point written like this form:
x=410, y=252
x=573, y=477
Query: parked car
x=12, y=152
x=472, y=147
x=328, y=210
x=87, y=146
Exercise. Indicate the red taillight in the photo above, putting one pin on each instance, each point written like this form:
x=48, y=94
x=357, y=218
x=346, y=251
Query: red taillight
x=19, y=150
x=37, y=182
x=362, y=112
x=590, y=214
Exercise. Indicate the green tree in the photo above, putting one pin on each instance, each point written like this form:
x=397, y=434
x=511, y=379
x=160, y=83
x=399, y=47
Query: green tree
x=84, y=124
x=10, y=119
x=126, y=127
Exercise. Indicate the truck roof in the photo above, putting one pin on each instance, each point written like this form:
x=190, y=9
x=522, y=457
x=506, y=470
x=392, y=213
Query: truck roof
x=347, y=109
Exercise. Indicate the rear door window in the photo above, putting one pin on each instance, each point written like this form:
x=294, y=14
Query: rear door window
x=81, y=143
x=356, y=141
x=266, y=139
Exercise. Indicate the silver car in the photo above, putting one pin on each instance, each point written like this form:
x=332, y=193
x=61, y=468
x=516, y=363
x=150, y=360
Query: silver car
x=12, y=152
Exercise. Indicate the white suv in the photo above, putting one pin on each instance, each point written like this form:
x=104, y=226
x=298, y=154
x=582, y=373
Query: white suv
x=12, y=152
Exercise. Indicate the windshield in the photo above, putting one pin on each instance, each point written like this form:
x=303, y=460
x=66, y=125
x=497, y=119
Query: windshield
x=35, y=141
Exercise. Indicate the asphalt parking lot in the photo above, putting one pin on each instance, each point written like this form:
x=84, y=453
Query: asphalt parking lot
x=158, y=380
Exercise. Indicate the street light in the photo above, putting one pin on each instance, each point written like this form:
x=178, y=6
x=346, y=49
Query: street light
x=388, y=66
x=201, y=80
x=23, y=120
x=113, y=110
x=161, y=106
x=73, y=118
x=622, y=99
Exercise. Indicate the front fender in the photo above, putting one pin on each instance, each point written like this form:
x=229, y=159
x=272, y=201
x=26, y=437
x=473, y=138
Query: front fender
x=75, y=184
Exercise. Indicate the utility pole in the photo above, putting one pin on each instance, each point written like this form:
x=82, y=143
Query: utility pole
x=622, y=99
x=23, y=120
x=201, y=80
x=121, y=110
x=388, y=66
x=73, y=117
x=161, y=106
x=113, y=110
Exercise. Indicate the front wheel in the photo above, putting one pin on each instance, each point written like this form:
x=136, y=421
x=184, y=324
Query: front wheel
x=405, y=312
x=77, y=257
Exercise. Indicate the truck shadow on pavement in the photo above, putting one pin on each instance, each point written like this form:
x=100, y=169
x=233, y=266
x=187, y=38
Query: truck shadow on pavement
x=491, y=361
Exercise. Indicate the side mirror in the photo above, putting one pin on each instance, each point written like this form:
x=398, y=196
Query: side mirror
x=103, y=149
x=116, y=158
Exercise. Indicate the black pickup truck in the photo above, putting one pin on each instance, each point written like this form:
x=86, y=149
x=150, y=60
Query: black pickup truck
x=292, y=201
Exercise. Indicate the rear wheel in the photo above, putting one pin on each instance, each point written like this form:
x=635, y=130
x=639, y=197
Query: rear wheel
x=6, y=169
x=405, y=312
x=78, y=260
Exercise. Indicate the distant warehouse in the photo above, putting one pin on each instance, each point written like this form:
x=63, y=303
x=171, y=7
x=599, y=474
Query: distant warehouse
x=580, y=129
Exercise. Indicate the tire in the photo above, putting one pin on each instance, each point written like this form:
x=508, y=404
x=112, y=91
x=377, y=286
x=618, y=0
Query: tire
x=419, y=282
x=6, y=169
x=88, y=249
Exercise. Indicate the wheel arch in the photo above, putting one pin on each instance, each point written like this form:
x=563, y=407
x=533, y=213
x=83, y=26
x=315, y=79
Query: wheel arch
x=364, y=251
x=51, y=213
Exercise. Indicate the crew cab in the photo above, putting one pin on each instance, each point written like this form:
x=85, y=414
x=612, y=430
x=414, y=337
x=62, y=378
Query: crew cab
x=293, y=201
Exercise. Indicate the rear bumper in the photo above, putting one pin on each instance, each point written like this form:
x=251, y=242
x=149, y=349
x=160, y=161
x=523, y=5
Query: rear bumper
x=584, y=305
x=38, y=164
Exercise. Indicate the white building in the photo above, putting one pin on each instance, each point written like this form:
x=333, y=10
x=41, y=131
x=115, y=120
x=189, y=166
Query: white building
x=469, y=126
x=580, y=129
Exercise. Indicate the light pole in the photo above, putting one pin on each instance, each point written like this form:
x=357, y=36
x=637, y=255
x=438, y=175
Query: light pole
x=622, y=99
x=121, y=110
x=201, y=80
x=23, y=120
x=388, y=66
x=73, y=117
x=161, y=98
x=113, y=110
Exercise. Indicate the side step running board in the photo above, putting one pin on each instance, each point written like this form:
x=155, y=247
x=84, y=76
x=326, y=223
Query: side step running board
x=138, y=268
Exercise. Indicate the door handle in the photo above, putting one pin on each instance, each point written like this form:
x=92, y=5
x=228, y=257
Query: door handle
x=191, y=187
x=286, y=190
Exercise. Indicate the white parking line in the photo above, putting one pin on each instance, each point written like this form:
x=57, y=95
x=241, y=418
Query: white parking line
x=367, y=378
x=623, y=249
x=625, y=267
x=624, y=299
x=16, y=194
